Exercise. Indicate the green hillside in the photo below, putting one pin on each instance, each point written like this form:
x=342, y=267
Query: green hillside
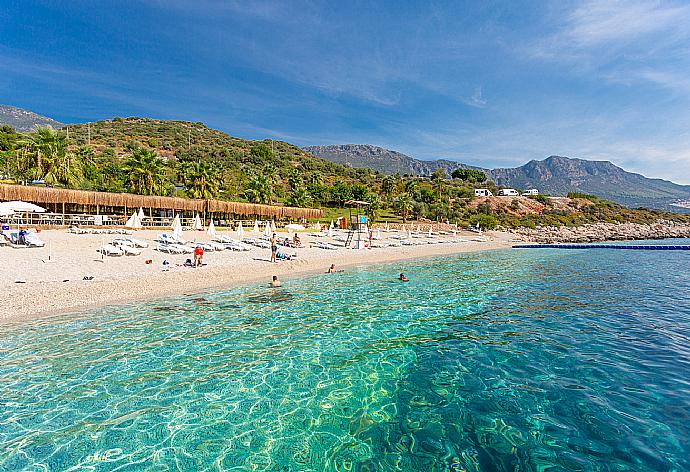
x=154, y=157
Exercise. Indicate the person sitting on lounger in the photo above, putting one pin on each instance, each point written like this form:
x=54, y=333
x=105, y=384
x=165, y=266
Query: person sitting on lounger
x=402, y=278
x=296, y=241
x=275, y=282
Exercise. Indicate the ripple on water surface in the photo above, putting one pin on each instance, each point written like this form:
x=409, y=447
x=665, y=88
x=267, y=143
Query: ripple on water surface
x=510, y=360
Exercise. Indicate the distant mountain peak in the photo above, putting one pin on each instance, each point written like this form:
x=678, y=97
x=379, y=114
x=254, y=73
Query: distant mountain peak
x=381, y=159
x=555, y=175
x=25, y=120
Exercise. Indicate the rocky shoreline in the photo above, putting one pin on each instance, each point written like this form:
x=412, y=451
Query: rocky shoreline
x=603, y=232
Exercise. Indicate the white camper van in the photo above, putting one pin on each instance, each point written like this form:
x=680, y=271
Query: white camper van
x=508, y=192
x=530, y=192
x=482, y=192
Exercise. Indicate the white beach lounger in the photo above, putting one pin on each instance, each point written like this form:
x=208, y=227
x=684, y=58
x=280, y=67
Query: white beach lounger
x=110, y=250
x=32, y=240
x=169, y=248
x=323, y=245
x=237, y=246
x=167, y=238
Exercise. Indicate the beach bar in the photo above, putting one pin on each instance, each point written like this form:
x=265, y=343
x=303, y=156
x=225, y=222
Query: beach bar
x=65, y=201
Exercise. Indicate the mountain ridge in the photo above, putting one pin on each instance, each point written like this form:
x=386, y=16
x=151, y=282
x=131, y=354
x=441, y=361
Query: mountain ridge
x=556, y=175
x=25, y=121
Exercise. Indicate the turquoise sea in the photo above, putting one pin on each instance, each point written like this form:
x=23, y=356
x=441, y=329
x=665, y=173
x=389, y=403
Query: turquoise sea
x=513, y=360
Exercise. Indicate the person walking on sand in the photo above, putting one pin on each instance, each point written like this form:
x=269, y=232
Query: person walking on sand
x=274, y=247
x=198, y=256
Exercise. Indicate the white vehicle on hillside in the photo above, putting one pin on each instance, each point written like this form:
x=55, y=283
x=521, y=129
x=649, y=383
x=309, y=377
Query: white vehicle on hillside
x=482, y=192
x=530, y=193
x=508, y=192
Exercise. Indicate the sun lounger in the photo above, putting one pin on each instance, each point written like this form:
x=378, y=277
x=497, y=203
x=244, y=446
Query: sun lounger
x=170, y=248
x=127, y=246
x=223, y=239
x=258, y=243
x=323, y=245
x=32, y=240
x=205, y=246
x=167, y=238
x=237, y=246
x=110, y=250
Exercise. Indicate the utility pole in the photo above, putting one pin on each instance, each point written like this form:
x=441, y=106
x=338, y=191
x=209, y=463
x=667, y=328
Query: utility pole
x=89, y=137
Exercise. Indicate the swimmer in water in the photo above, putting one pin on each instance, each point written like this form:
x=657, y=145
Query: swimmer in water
x=331, y=269
x=402, y=278
x=275, y=282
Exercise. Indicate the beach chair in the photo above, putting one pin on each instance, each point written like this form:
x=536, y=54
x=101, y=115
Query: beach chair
x=32, y=240
x=169, y=248
x=167, y=238
x=324, y=245
x=110, y=250
x=127, y=246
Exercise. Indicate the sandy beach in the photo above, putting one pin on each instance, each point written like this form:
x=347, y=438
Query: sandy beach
x=37, y=282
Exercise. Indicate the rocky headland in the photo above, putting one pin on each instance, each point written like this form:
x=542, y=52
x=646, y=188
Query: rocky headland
x=662, y=229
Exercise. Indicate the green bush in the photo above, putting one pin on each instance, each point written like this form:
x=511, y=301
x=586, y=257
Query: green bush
x=483, y=221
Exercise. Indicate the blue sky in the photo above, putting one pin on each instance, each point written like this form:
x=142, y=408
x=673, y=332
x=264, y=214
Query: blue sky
x=487, y=83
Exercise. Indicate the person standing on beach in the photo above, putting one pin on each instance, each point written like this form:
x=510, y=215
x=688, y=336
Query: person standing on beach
x=198, y=256
x=274, y=247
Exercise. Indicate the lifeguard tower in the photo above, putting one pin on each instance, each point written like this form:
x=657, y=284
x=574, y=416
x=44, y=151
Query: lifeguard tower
x=358, y=231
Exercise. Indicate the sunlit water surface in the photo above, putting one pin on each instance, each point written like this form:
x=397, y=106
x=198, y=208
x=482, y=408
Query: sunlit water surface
x=512, y=360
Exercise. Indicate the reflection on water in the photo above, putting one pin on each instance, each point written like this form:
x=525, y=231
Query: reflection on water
x=513, y=360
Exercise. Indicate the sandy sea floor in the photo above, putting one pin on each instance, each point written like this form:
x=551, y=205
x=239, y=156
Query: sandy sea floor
x=57, y=285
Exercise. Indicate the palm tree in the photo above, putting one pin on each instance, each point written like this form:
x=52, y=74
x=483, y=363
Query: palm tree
x=146, y=172
x=201, y=179
x=438, y=178
x=405, y=205
x=49, y=159
x=299, y=198
x=259, y=189
x=387, y=186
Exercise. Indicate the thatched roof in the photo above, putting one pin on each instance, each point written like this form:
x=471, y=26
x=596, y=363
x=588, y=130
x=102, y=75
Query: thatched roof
x=81, y=197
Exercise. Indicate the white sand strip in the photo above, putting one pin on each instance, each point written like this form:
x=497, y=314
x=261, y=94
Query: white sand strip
x=58, y=285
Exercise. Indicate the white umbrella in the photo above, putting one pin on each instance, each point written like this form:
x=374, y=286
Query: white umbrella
x=240, y=232
x=22, y=207
x=403, y=228
x=267, y=230
x=177, y=227
x=418, y=229
x=330, y=230
x=273, y=226
x=197, y=223
x=211, y=229
x=141, y=213
x=132, y=221
x=409, y=234
x=378, y=233
x=387, y=228
x=429, y=230
x=256, y=226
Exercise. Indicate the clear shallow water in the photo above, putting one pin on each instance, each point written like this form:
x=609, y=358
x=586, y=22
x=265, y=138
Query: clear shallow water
x=512, y=360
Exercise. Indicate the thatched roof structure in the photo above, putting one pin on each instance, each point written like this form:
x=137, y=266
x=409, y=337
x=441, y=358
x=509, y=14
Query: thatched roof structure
x=81, y=197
